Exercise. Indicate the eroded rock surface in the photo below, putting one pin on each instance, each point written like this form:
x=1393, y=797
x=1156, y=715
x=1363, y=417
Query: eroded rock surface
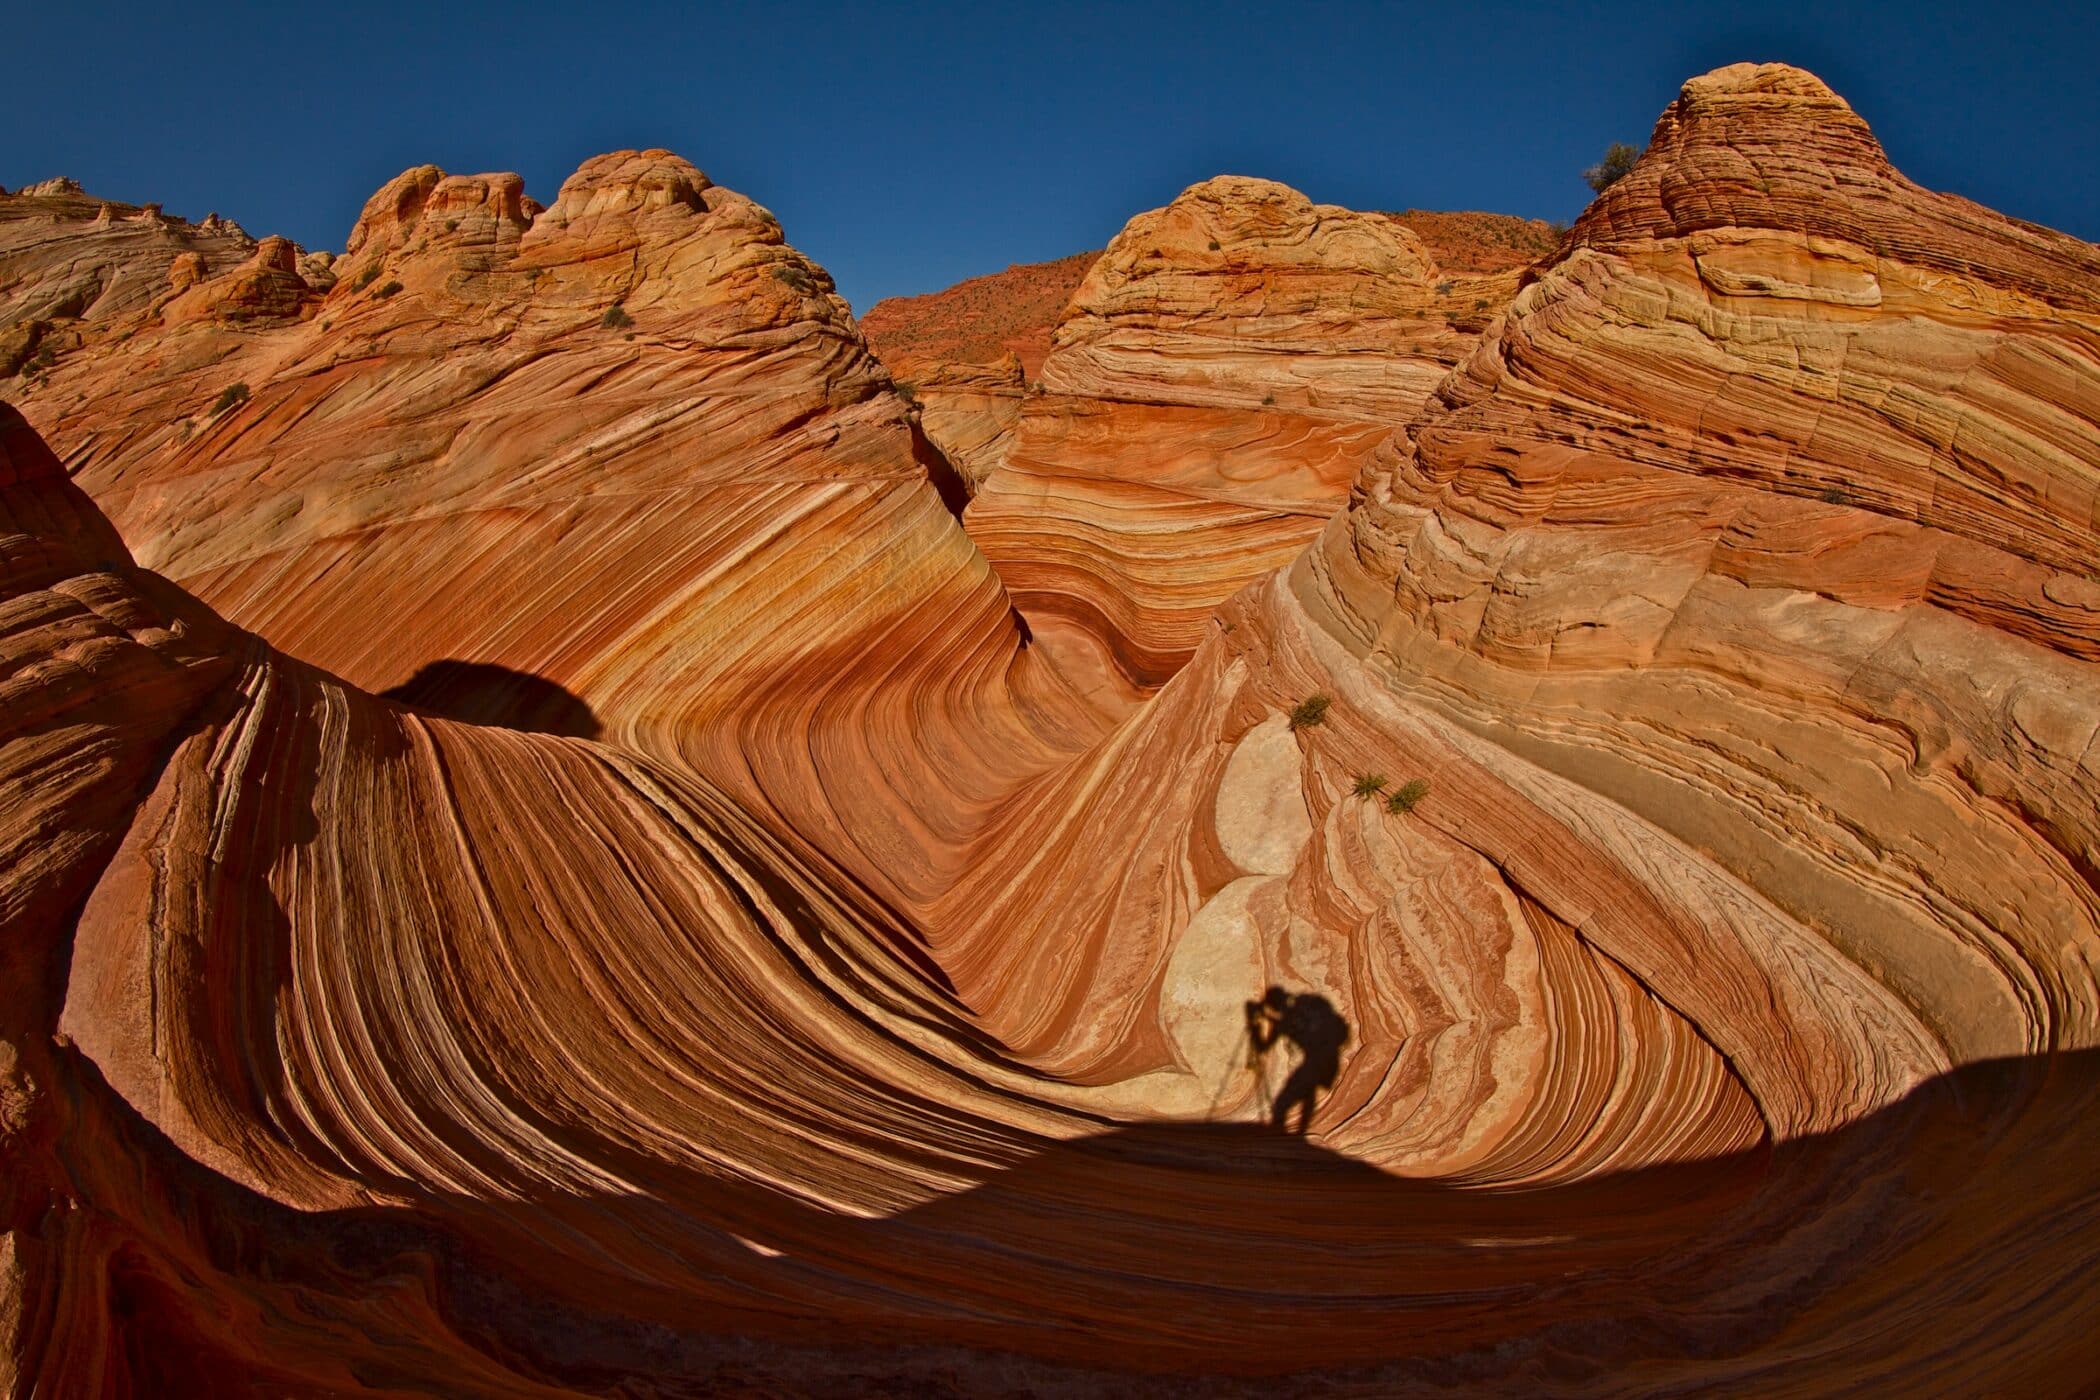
x=1221, y=374
x=744, y=957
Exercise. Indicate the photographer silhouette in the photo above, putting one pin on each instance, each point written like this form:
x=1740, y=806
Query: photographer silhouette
x=1309, y=1021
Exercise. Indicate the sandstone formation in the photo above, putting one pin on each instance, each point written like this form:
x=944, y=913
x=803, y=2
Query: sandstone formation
x=746, y=954
x=1767, y=513
x=968, y=412
x=949, y=350
x=965, y=355
x=65, y=255
x=1221, y=374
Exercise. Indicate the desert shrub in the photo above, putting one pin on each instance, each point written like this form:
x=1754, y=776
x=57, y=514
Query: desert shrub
x=1214, y=247
x=1406, y=796
x=232, y=396
x=1481, y=304
x=906, y=390
x=366, y=278
x=388, y=290
x=1268, y=401
x=1310, y=711
x=1443, y=289
x=1836, y=496
x=794, y=279
x=1368, y=784
x=616, y=318
x=1618, y=159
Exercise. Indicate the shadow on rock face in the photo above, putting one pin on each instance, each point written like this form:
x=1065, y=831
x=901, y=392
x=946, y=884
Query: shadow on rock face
x=477, y=692
x=1163, y=1259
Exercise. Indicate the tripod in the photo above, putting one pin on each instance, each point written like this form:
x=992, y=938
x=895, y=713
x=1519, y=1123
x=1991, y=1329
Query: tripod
x=1254, y=1061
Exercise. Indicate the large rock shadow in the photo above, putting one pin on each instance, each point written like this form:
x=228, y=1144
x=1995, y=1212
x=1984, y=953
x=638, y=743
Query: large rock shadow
x=1206, y=1258
x=479, y=692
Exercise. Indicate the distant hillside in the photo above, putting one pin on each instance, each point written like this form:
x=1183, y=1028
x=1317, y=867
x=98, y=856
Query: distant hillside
x=978, y=321
x=1476, y=242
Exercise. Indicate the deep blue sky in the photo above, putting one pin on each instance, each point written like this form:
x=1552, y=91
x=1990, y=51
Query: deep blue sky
x=908, y=147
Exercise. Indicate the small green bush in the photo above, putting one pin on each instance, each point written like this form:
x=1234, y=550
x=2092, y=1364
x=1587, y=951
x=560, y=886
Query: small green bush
x=1836, y=496
x=1480, y=305
x=1369, y=784
x=1214, y=245
x=1444, y=289
x=1404, y=799
x=366, y=278
x=1310, y=711
x=232, y=396
x=386, y=291
x=1268, y=401
x=616, y=318
x=906, y=390
x=794, y=279
x=1618, y=160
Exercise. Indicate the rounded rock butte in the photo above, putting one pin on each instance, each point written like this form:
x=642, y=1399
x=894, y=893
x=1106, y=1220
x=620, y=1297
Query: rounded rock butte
x=540, y=855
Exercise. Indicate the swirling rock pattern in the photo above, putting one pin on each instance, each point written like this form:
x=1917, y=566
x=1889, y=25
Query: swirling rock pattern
x=1813, y=520
x=965, y=354
x=1222, y=372
x=66, y=255
x=968, y=411
x=829, y=990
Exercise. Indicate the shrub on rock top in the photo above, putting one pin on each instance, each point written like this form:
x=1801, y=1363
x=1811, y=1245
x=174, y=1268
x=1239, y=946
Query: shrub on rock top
x=1618, y=160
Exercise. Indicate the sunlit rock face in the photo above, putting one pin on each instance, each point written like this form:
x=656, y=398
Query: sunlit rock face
x=738, y=953
x=1220, y=375
x=967, y=355
x=631, y=445
x=66, y=256
x=1766, y=512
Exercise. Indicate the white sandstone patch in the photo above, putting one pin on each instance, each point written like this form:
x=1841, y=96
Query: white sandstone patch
x=1260, y=816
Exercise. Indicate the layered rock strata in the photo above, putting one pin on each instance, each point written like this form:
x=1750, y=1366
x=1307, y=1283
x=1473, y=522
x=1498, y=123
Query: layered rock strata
x=965, y=355
x=66, y=255
x=1700, y=865
x=1220, y=375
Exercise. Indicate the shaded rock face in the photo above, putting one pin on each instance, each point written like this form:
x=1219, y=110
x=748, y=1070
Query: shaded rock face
x=740, y=955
